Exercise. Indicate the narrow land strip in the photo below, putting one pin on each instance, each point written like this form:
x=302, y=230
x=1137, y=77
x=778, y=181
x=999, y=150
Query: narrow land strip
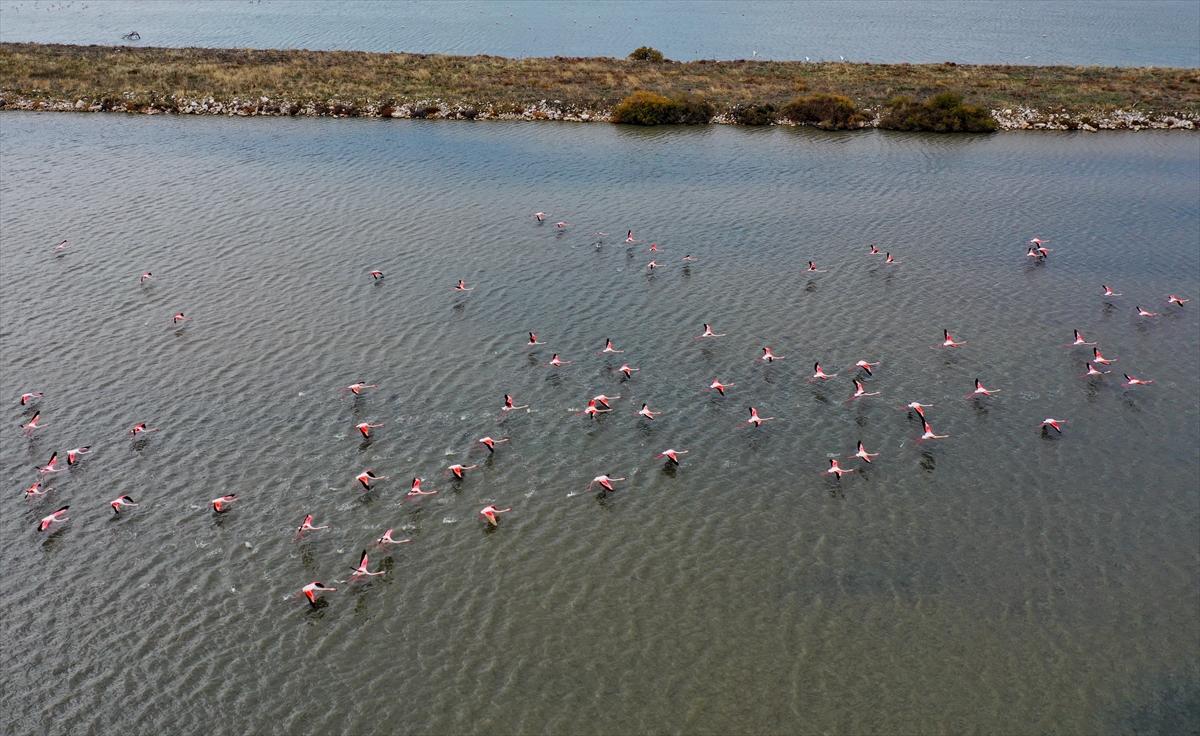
x=352, y=83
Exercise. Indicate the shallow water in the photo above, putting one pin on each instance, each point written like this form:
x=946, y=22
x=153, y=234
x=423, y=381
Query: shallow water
x=1107, y=33
x=1000, y=580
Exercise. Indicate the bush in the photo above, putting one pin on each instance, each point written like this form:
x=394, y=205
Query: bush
x=648, y=108
x=646, y=53
x=942, y=113
x=830, y=112
x=756, y=114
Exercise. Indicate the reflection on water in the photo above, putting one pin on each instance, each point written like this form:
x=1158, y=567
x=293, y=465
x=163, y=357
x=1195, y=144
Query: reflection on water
x=995, y=580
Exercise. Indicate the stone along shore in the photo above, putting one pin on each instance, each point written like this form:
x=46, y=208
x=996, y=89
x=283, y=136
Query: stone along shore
x=362, y=84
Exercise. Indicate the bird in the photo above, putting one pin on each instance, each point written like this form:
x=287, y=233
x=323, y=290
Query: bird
x=30, y=427
x=1098, y=358
x=219, y=504
x=120, y=501
x=556, y=362
x=490, y=444
x=672, y=455
x=365, y=428
x=73, y=455
x=416, y=492
x=645, y=412
x=533, y=341
x=862, y=453
x=1172, y=299
x=981, y=391
x=307, y=526
x=835, y=470
x=1079, y=341
x=864, y=365
x=860, y=392
x=377, y=274
x=1131, y=381
x=60, y=247
x=508, y=405
x=820, y=375
x=717, y=386
x=1109, y=292
x=140, y=428
x=768, y=357
x=918, y=408
x=180, y=318
x=608, y=348
x=604, y=399
x=541, y=216
x=385, y=540
x=364, y=478
x=755, y=419
x=592, y=410
x=49, y=467
x=605, y=481
x=1143, y=313
x=1053, y=423
x=949, y=341
x=356, y=388
x=312, y=590
x=707, y=333
x=458, y=469
x=35, y=490
x=929, y=435
x=626, y=370
x=489, y=513
x=890, y=260
x=361, y=570
x=1091, y=371
x=630, y=239
x=812, y=268
x=29, y=398
x=53, y=518
x=462, y=286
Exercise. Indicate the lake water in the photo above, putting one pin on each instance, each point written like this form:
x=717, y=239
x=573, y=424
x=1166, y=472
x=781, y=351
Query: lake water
x=1111, y=33
x=1002, y=580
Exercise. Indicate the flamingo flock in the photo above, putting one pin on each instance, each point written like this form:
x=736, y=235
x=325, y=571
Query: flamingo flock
x=599, y=405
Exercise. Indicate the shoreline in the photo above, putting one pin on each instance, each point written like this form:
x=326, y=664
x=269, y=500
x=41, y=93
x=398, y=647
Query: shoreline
x=247, y=82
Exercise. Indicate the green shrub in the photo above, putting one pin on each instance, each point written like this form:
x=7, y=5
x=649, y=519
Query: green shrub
x=756, y=114
x=646, y=53
x=942, y=113
x=830, y=112
x=648, y=108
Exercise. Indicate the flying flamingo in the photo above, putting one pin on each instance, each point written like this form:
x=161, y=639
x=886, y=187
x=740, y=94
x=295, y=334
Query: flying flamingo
x=462, y=286
x=981, y=391
x=73, y=455
x=364, y=479
x=592, y=410
x=645, y=412
x=458, y=469
x=490, y=444
x=377, y=274
x=383, y=542
x=1109, y=292
x=890, y=260
x=1091, y=371
x=312, y=590
x=556, y=362
x=1079, y=341
x=416, y=491
x=49, y=467
x=717, y=386
x=1098, y=358
x=604, y=480
x=1172, y=299
x=929, y=435
x=28, y=429
x=866, y=366
x=355, y=388
x=53, y=518
x=820, y=374
x=1131, y=381
x=139, y=429
x=1053, y=423
x=366, y=427
x=1143, y=313
x=361, y=570
x=180, y=318
x=34, y=490
x=604, y=399
x=918, y=408
x=949, y=341
x=707, y=333
x=218, y=504
x=608, y=348
x=120, y=501
x=27, y=399
x=860, y=392
x=630, y=239
x=508, y=406
x=489, y=512
x=755, y=419
x=626, y=370
x=768, y=357
x=812, y=268
x=307, y=526
x=835, y=470
x=61, y=246
x=862, y=453
x=533, y=341
x=672, y=455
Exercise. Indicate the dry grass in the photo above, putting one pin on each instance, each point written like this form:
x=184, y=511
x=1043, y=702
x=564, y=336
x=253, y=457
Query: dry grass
x=36, y=71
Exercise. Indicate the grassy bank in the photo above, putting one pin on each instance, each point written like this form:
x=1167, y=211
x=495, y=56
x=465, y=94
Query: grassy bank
x=244, y=81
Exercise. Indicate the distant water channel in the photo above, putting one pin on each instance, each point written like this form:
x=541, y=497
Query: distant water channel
x=1086, y=32
x=1002, y=580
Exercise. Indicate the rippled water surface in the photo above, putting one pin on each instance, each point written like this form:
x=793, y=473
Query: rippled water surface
x=1000, y=580
x=1104, y=32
